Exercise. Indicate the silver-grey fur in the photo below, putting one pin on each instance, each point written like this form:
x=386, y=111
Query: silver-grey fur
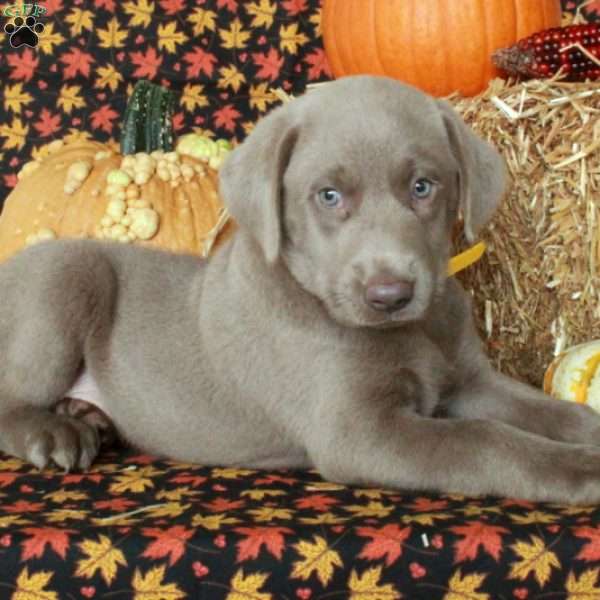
x=268, y=355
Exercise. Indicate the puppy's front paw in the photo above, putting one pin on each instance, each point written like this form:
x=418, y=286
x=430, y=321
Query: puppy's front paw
x=68, y=443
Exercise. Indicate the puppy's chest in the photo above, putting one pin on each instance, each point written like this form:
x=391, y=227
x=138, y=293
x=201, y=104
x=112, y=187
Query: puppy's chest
x=413, y=373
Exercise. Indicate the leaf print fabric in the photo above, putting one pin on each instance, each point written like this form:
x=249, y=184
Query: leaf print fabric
x=139, y=527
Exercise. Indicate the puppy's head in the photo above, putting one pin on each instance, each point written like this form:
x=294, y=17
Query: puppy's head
x=356, y=187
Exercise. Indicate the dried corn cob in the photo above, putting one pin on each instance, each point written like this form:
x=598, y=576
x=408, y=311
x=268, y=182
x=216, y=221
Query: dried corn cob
x=574, y=50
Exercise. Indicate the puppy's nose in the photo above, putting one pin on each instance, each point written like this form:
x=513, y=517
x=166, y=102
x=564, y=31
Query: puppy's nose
x=386, y=295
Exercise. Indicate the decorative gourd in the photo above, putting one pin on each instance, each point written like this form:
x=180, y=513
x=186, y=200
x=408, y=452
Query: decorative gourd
x=86, y=189
x=440, y=46
x=575, y=375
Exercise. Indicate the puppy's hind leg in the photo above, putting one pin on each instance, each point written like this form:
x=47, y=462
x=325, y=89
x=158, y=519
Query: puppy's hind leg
x=52, y=298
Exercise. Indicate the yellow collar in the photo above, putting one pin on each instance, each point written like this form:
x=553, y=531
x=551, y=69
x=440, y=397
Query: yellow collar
x=465, y=259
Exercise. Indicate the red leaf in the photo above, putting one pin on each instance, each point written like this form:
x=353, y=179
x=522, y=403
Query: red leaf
x=141, y=459
x=591, y=551
x=193, y=480
x=427, y=505
x=172, y=7
x=23, y=506
x=10, y=180
x=317, y=502
x=116, y=504
x=47, y=123
x=23, y=65
x=226, y=117
x=178, y=121
x=169, y=542
x=41, y=536
x=386, y=541
x=199, y=61
x=103, y=118
x=478, y=534
x=294, y=7
x=147, y=64
x=78, y=477
x=271, y=537
x=319, y=64
x=8, y=477
x=231, y=5
x=76, y=61
x=107, y=4
x=52, y=6
x=270, y=64
x=222, y=504
x=269, y=479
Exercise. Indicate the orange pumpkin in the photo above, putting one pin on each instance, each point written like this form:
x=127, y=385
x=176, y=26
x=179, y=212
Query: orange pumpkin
x=440, y=46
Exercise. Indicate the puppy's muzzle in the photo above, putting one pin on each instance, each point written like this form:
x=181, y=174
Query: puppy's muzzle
x=386, y=295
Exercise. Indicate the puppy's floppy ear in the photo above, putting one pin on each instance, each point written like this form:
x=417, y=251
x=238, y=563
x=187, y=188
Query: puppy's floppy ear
x=251, y=179
x=483, y=175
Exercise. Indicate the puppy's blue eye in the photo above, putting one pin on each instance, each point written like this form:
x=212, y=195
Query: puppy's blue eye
x=422, y=189
x=330, y=197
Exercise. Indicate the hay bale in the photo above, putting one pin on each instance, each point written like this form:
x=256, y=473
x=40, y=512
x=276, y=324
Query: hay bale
x=537, y=288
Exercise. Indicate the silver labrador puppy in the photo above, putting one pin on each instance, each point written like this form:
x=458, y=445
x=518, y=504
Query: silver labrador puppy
x=326, y=334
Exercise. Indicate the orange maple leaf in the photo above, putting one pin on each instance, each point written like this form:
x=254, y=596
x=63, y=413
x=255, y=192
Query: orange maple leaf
x=58, y=539
x=478, y=534
x=591, y=551
x=76, y=62
x=270, y=64
x=147, y=64
x=169, y=542
x=386, y=541
x=271, y=537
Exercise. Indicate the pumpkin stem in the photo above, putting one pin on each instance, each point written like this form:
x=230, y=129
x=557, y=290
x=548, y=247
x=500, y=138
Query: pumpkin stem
x=148, y=121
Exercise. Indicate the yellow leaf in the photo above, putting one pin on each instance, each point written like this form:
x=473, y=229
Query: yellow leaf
x=11, y=464
x=192, y=96
x=472, y=510
x=176, y=494
x=268, y=513
x=247, y=588
x=14, y=96
x=169, y=509
x=141, y=12
x=317, y=557
x=373, y=494
x=316, y=19
x=260, y=494
x=235, y=36
x=65, y=514
x=135, y=481
x=465, y=588
x=77, y=135
x=323, y=519
x=373, y=509
x=231, y=77
x=262, y=12
x=202, y=19
x=584, y=588
x=536, y=558
x=62, y=495
x=213, y=522
x=425, y=518
x=112, y=36
x=102, y=556
x=32, y=588
x=231, y=473
x=290, y=38
x=80, y=19
x=108, y=77
x=49, y=38
x=151, y=587
x=15, y=134
x=534, y=516
x=261, y=97
x=69, y=98
x=367, y=587
x=9, y=520
x=169, y=37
